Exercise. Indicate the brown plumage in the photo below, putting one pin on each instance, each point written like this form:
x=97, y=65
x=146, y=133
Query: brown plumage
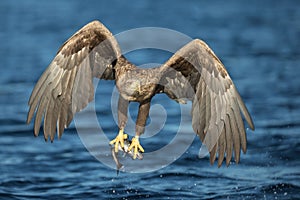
x=193, y=73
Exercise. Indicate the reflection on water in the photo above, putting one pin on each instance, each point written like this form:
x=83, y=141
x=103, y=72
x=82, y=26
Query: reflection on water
x=259, y=45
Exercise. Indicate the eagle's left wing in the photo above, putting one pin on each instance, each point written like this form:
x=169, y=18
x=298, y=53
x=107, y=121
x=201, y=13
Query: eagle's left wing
x=195, y=72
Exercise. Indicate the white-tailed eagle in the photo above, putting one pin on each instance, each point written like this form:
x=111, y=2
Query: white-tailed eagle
x=193, y=73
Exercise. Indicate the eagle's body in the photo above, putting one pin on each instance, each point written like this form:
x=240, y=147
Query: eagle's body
x=136, y=84
x=193, y=73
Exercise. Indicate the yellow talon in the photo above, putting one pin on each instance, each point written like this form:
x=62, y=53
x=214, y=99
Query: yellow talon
x=119, y=140
x=135, y=144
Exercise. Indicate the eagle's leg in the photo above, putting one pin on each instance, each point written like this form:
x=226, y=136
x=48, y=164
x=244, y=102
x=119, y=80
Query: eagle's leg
x=140, y=127
x=122, y=121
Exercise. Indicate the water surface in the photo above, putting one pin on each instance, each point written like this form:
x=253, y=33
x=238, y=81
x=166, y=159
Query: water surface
x=258, y=42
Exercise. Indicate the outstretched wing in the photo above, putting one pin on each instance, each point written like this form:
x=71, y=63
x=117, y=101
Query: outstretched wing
x=66, y=86
x=196, y=73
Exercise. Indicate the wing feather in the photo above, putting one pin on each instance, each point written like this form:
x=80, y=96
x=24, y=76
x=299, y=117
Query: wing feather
x=240, y=126
x=235, y=135
x=229, y=140
x=198, y=122
x=222, y=147
x=40, y=114
x=213, y=154
x=207, y=114
x=48, y=122
x=244, y=110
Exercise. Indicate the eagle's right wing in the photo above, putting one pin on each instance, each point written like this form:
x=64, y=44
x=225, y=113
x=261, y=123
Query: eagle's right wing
x=66, y=86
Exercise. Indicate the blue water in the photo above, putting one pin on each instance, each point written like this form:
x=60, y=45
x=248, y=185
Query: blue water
x=257, y=40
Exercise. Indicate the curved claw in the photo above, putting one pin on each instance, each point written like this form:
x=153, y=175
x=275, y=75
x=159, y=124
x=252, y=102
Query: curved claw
x=135, y=145
x=119, y=140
